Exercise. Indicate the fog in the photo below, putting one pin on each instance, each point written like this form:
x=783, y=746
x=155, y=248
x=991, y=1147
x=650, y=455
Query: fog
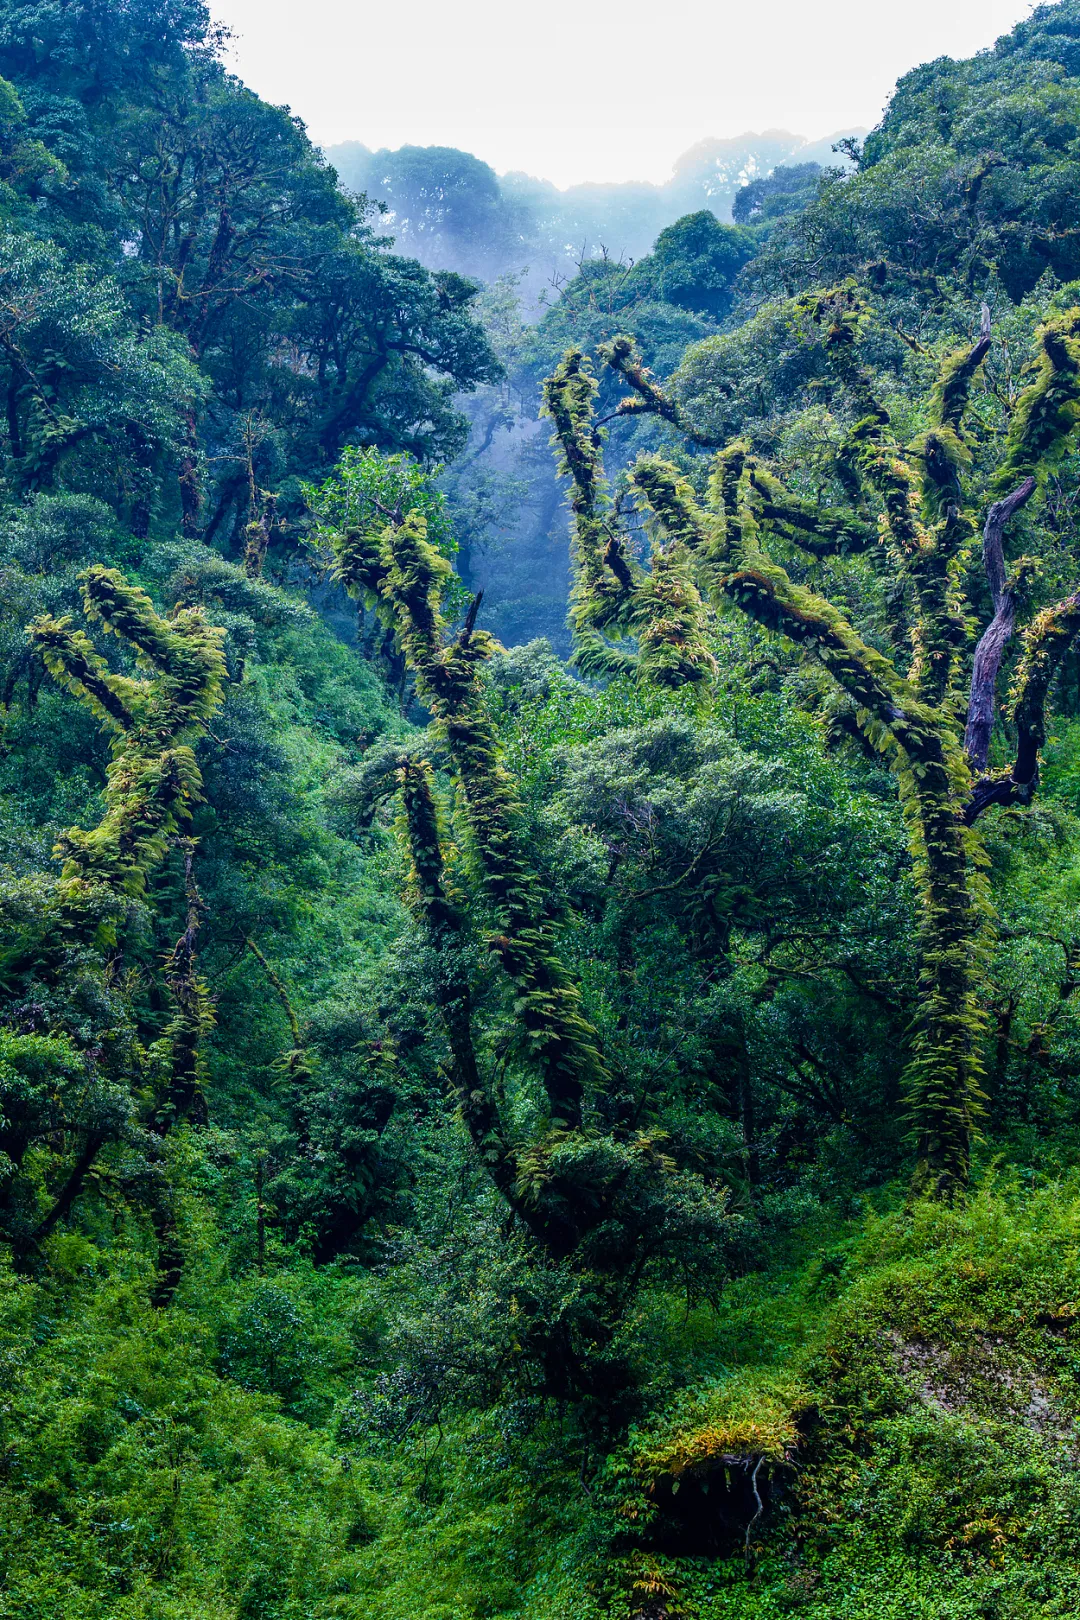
x=563, y=96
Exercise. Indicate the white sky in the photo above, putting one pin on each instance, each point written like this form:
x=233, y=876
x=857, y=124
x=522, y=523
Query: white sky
x=586, y=90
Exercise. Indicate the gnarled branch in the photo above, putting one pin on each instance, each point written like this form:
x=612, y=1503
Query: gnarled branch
x=998, y=633
x=622, y=356
x=1046, y=641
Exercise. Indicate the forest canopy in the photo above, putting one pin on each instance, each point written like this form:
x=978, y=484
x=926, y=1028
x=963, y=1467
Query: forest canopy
x=539, y=868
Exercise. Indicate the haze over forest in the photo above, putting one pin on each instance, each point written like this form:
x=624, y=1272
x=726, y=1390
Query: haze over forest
x=452, y=211
x=527, y=98
x=539, y=815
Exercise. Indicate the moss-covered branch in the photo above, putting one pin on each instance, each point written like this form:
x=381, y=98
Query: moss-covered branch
x=1047, y=413
x=556, y=1037
x=74, y=663
x=766, y=593
x=942, y=452
x=660, y=609
x=184, y=651
x=1043, y=427
x=603, y=582
x=153, y=780
x=819, y=530
x=621, y=354
x=944, y=1073
x=181, y=1047
x=445, y=926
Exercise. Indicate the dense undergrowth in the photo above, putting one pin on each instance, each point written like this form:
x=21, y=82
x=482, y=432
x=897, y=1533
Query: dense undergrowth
x=914, y=1373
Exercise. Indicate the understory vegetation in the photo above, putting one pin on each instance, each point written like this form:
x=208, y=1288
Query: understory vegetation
x=572, y=1126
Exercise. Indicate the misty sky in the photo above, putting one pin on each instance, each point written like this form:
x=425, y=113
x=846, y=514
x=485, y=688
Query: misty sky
x=586, y=90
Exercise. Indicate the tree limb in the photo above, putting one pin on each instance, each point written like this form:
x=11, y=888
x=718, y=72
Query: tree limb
x=816, y=529
x=621, y=355
x=998, y=633
x=1046, y=641
x=68, y=1193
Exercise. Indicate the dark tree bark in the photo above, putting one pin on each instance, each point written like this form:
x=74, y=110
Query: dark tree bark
x=995, y=638
x=71, y=1190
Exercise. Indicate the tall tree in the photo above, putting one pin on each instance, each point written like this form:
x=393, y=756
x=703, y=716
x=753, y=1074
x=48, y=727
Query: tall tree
x=706, y=555
x=222, y=238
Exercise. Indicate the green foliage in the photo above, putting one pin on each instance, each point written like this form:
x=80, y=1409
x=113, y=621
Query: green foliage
x=93, y=402
x=696, y=261
x=365, y=485
x=455, y=1108
x=981, y=154
x=49, y=1091
x=154, y=781
x=908, y=713
x=190, y=357
x=789, y=187
x=142, y=1477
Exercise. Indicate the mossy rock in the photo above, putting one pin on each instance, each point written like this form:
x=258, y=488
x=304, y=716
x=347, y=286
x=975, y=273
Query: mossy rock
x=712, y=1464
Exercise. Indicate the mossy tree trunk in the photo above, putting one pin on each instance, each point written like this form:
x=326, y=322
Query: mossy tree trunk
x=914, y=715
